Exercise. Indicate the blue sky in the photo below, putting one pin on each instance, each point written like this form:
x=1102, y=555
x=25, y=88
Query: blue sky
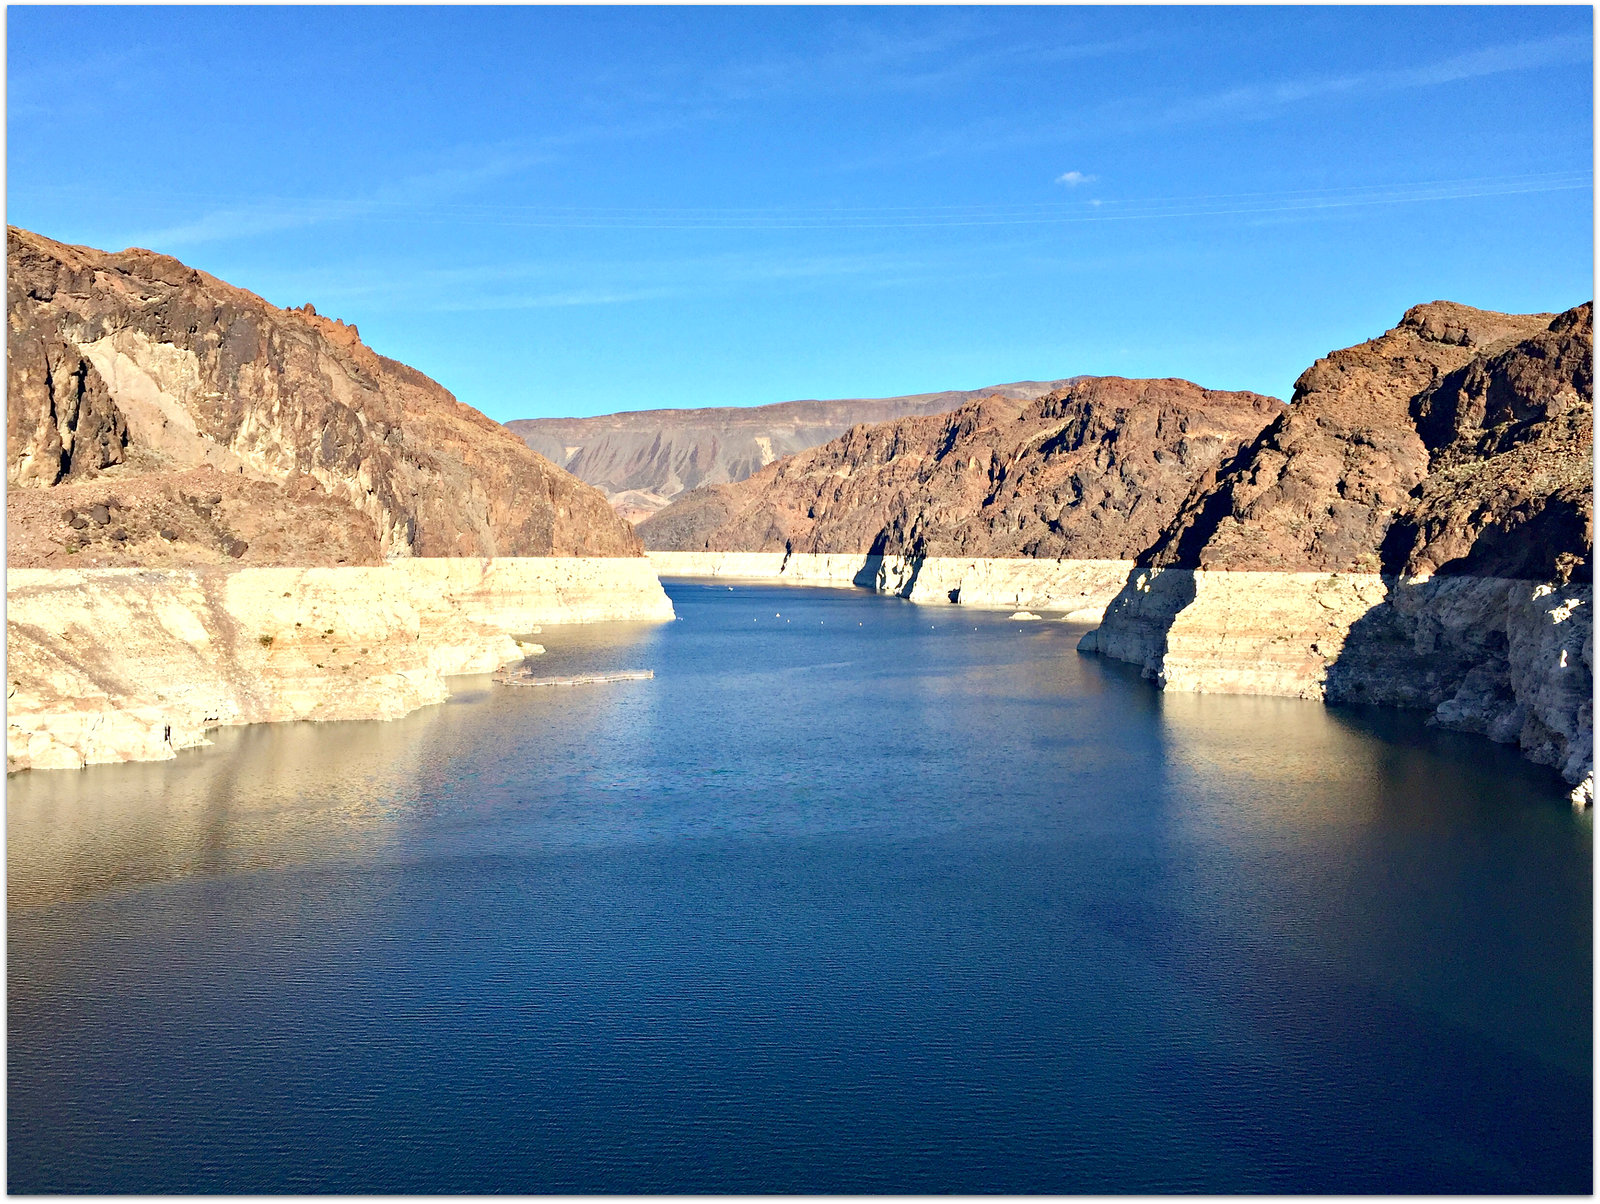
x=578, y=210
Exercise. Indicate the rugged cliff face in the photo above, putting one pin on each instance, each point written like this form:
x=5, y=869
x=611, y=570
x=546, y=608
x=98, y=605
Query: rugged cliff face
x=1446, y=444
x=206, y=425
x=1416, y=531
x=1510, y=485
x=1092, y=471
x=646, y=458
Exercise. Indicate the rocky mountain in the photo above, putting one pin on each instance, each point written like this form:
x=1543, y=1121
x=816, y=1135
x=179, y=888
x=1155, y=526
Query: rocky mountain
x=158, y=416
x=645, y=458
x=1094, y=470
x=1461, y=441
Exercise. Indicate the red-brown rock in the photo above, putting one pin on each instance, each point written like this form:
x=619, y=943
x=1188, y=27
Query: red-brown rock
x=134, y=367
x=1091, y=471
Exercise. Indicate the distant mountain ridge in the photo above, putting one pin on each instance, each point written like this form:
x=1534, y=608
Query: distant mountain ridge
x=643, y=459
x=1094, y=470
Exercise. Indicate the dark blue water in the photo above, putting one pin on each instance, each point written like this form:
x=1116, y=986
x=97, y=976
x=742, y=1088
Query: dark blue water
x=854, y=896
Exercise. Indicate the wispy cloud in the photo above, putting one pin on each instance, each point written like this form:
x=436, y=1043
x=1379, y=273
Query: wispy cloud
x=1267, y=98
x=858, y=58
x=1134, y=115
x=470, y=170
x=409, y=204
x=1073, y=178
x=544, y=283
x=410, y=193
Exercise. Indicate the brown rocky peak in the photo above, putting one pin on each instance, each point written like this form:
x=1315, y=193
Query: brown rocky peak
x=1459, y=325
x=1389, y=444
x=134, y=365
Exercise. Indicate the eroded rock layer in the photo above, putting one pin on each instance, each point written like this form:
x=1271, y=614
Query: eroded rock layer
x=1077, y=590
x=130, y=373
x=1092, y=471
x=134, y=664
x=1511, y=659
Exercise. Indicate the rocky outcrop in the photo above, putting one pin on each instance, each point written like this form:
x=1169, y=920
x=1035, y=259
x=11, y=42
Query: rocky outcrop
x=1440, y=400
x=645, y=458
x=1092, y=471
x=1510, y=485
x=134, y=664
x=1416, y=531
x=132, y=367
x=1506, y=658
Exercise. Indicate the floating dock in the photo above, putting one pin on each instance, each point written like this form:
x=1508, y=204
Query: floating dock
x=507, y=677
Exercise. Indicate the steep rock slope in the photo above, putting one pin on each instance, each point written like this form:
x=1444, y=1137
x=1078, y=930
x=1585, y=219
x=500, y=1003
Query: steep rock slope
x=187, y=414
x=1091, y=471
x=645, y=458
x=1320, y=488
x=1415, y=531
x=1510, y=486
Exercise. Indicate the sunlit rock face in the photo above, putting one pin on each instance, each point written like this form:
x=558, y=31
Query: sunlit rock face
x=144, y=385
x=1461, y=441
x=133, y=664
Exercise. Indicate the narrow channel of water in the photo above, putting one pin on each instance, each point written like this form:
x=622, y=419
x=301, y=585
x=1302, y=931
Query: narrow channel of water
x=853, y=896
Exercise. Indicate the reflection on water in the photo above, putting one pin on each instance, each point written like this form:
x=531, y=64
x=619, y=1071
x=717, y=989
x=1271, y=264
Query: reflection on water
x=268, y=796
x=1358, y=836
x=854, y=895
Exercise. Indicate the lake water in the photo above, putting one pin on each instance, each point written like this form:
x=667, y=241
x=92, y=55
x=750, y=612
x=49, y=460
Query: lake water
x=853, y=896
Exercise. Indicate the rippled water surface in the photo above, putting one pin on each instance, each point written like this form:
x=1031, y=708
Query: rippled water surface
x=854, y=896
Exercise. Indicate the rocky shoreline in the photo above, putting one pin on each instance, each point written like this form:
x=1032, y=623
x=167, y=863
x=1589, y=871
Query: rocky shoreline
x=108, y=665
x=1505, y=658
x=1079, y=589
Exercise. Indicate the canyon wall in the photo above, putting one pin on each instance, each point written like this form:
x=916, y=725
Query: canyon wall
x=223, y=512
x=1091, y=471
x=1415, y=530
x=1508, y=658
x=134, y=664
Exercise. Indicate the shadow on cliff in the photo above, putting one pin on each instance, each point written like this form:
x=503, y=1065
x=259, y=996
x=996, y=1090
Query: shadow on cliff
x=871, y=565
x=1397, y=655
x=1138, y=621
